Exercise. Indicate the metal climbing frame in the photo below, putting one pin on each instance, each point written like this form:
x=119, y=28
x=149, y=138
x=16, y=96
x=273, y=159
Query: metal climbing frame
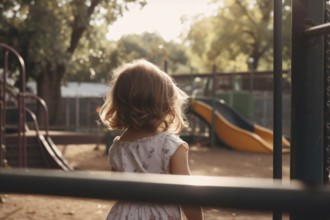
x=8, y=51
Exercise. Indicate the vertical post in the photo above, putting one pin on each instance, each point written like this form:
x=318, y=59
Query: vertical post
x=252, y=70
x=277, y=117
x=165, y=65
x=77, y=113
x=3, y=110
x=214, y=90
x=2, y=136
x=307, y=96
x=165, y=57
x=67, y=113
x=326, y=103
x=22, y=114
x=22, y=152
x=89, y=115
x=277, y=65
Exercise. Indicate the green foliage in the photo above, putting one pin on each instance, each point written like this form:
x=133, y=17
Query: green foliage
x=58, y=37
x=154, y=48
x=241, y=29
x=50, y=34
x=98, y=63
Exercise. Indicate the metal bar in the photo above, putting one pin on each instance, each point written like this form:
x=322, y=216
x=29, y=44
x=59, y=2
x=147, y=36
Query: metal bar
x=277, y=65
x=21, y=132
x=21, y=102
x=22, y=109
x=37, y=130
x=77, y=108
x=326, y=102
x=307, y=92
x=220, y=74
x=2, y=136
x=317, y=30
x=34, y=120
x=44, y=108
x=3, y=110
x=307, y=97
x=277, y=100
x=213, y=92
x=240, y=193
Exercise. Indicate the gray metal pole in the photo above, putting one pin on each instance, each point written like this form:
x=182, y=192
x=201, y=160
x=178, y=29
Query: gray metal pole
x=77, y=113
x=307, y=95
x=214, y=91
x=226, y=192
x=277, y=65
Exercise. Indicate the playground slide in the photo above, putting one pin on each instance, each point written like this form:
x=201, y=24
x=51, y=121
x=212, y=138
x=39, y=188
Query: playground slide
x=41, y=152
x=56, y=154
x=233, y=130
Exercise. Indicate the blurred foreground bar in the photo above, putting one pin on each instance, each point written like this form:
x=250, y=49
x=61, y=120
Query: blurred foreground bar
x=225, y=192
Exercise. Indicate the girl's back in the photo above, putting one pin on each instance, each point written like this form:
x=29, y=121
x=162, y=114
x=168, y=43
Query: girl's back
x=145, y=155
x=147, y=105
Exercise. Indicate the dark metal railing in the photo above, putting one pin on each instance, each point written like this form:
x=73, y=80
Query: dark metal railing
x=326, y=102
x=226, y=192
x=44, y=108
x=277, y=100
x=307, y=70
x=277, y=65
x=317, y=30
x=7, y=50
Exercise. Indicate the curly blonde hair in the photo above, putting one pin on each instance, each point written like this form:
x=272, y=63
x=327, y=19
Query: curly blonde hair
x=143, y=97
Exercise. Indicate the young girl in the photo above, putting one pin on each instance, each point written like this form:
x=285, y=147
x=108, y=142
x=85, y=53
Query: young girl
x=148, y=107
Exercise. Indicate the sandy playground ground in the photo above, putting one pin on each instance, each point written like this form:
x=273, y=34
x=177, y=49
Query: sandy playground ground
x=214, y=161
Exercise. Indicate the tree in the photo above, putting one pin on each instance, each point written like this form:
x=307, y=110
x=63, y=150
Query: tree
x=92, y=63
x=49, y=33
x=154, y=48
x=240, y=30
x=199, y=40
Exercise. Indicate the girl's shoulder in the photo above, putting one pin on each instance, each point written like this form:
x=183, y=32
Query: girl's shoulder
x=120, y=139
x=173, y=141
x=165, y=139
x=173, y=137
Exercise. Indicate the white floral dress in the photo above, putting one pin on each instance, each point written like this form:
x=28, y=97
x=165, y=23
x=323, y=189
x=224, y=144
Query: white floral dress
x=145, y=155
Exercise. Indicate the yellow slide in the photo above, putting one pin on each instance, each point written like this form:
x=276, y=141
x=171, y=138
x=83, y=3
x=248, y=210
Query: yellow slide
x=257, y=139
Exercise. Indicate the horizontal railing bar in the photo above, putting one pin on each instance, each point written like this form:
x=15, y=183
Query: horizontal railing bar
x=225, y=192
x=317, y=30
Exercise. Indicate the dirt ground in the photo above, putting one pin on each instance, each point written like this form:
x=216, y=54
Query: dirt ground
x=214, y=161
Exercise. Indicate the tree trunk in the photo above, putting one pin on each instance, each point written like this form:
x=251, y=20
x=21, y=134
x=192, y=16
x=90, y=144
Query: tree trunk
x=49, y=89
x=49, y=80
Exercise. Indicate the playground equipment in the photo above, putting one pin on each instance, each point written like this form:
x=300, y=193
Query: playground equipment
x=232, y=129
x=20, y=146
x=23, y=142
x=305, y=197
